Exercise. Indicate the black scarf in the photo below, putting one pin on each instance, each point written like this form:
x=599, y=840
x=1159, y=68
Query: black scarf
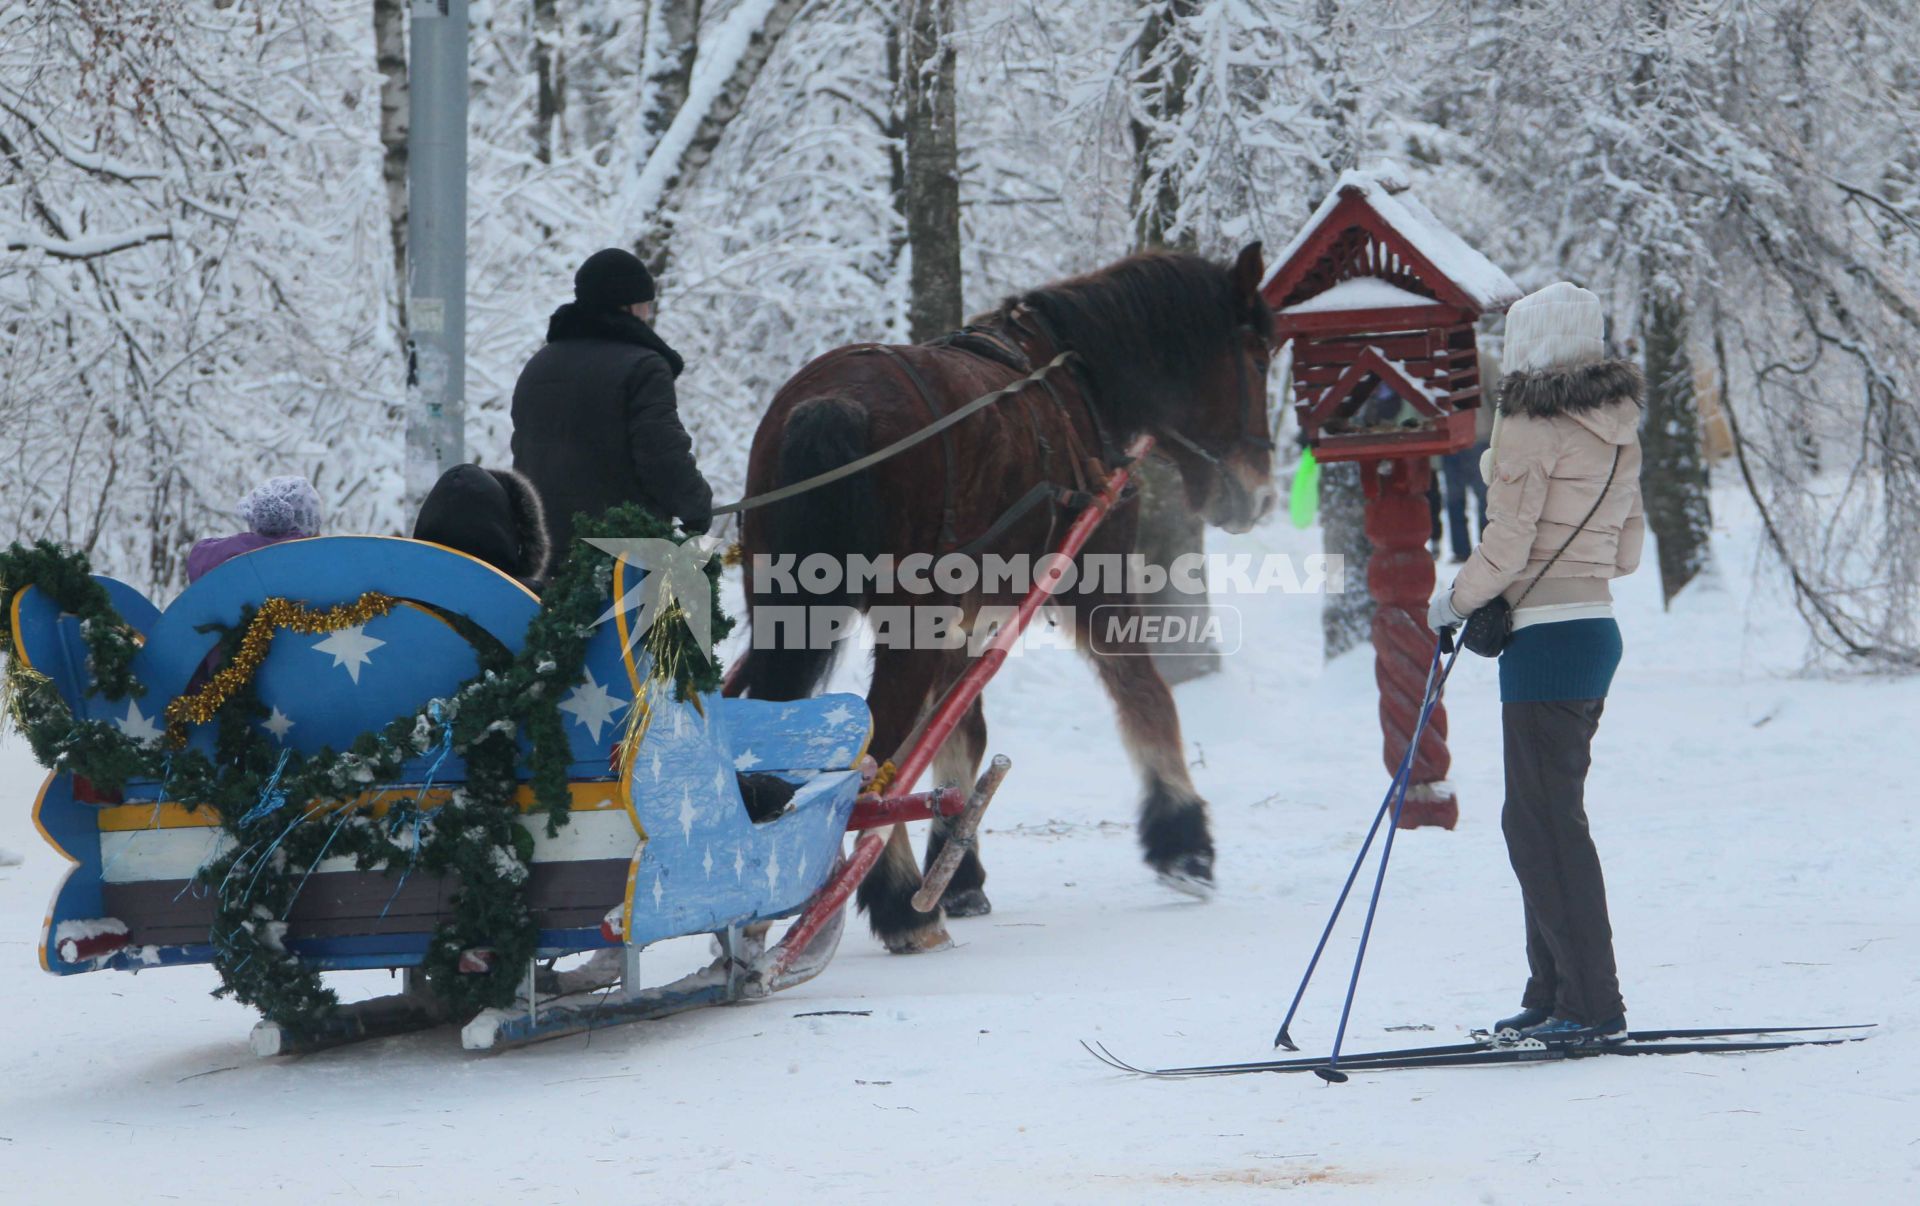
x=575, y=321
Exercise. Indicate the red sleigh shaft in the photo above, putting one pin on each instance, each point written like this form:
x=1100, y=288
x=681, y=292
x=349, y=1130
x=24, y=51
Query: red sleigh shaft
x=873, y=812
x=918, y=754
x=826, y=903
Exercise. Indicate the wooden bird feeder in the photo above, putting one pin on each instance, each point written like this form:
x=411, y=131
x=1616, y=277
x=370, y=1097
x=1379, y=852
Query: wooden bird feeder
x=1379, y=299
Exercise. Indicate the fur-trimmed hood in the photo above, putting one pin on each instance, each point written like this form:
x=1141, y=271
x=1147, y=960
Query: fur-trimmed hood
x=493, y=514
x=1544, y=393
x=529, y=523
x=1604, y=396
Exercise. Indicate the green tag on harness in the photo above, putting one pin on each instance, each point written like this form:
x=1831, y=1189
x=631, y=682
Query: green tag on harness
x=1305, y=503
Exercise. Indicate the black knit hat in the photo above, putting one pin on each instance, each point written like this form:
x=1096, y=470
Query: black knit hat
x=611, y=279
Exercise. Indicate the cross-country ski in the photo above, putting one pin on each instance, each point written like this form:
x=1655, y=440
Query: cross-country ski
x=1489, y=1051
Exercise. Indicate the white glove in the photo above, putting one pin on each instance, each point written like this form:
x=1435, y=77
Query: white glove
x=1440, y=613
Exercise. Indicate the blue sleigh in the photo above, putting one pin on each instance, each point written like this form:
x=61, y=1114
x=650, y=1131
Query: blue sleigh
x=666, y=851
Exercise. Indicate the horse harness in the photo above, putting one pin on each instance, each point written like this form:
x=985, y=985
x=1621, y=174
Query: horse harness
x=1253, y=433
x=990, y=344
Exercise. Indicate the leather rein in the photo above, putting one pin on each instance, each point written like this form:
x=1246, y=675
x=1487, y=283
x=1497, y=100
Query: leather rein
x=1253, y=432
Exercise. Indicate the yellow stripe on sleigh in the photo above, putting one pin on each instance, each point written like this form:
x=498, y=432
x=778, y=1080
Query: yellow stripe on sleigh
x=590, y=796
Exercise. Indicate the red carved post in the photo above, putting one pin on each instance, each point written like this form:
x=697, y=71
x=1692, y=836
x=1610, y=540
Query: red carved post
x=1400, y=578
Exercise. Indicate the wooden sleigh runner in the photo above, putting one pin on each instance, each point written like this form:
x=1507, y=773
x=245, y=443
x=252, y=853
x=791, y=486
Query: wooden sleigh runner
x=667, y=849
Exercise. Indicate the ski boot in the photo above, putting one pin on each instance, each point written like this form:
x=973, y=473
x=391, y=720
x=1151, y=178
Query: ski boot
x=1565, y=1032
x=1507, y=1029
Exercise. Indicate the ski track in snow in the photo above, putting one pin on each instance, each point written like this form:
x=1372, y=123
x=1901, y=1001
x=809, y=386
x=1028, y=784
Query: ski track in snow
x=1759, y=837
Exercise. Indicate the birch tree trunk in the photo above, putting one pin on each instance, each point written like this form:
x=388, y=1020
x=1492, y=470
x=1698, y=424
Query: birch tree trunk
x=930, y=147
x=390, y=56
x=673, y=39
x=692, y=135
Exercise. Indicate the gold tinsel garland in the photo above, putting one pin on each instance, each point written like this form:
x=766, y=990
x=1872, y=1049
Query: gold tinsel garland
x=666, y=652
x=275, y=613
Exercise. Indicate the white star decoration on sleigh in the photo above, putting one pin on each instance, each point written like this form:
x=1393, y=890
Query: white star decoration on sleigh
x=140, y=728
x=279, y=724
x=592, y=706
x=350, y=647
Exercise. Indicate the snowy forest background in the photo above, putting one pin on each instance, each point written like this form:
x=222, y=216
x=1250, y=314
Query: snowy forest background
x=202, y=208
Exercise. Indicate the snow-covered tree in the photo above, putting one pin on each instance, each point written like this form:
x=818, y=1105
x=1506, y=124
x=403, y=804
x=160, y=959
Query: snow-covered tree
x=194, y=291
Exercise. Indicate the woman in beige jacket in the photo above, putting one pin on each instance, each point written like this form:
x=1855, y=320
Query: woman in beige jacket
x=1564, y=517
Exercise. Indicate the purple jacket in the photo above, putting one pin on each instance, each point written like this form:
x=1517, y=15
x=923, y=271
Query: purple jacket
x=217, y=550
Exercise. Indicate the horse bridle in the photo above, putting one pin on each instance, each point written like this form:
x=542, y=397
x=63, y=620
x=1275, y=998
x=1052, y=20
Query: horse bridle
x=1254, y=432
x=1253, y=424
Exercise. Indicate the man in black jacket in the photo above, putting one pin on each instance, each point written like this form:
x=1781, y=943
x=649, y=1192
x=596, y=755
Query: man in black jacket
x=595, y=418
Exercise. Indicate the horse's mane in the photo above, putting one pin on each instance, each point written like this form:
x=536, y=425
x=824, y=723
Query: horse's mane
x=1145, y=329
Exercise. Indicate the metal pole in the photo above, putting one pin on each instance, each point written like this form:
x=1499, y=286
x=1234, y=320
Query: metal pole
x=436, y=243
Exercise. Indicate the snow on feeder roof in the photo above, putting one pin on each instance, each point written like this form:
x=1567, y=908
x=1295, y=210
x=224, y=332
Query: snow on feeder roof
x=1377, y=202
x=1378, y=299
x=1360, y=293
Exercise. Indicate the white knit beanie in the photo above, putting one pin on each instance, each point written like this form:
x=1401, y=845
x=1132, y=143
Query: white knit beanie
x=282, y=506
x=1558, y=327
x=1561, y=326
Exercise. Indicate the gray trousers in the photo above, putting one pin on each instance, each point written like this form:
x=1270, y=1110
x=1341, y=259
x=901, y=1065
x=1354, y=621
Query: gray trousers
x=1569, y=939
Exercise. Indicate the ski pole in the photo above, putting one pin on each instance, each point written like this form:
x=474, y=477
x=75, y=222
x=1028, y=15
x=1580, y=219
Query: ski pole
x=1331, y=1073
x=1283, y=1039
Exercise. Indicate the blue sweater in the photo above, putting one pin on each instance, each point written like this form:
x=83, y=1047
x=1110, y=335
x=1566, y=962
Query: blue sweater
x=1570, y=659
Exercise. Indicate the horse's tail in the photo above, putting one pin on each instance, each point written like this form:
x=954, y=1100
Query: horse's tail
x=790, y=654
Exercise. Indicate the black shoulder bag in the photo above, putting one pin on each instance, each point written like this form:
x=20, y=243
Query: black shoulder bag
x=1490, y=627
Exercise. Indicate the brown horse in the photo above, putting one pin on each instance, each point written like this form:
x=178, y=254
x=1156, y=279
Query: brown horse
x=1167, y=344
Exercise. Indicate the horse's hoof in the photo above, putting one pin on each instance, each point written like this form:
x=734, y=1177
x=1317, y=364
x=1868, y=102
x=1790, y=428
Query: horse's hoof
x=923, y=941
x=971, y=902
x=1191, y=874
x=1199, y=889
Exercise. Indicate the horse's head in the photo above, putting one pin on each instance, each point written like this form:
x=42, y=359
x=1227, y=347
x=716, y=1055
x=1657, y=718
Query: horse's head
x=1219, y=439
x=1176, y=346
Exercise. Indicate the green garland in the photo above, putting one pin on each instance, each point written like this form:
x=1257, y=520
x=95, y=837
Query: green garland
x=68, y=577
x=272, y=804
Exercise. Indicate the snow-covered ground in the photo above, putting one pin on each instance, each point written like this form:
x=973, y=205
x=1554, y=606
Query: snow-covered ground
x=1758, y=829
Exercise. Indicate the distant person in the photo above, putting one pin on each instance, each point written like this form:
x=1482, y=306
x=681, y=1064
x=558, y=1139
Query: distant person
x=1563, y=503
x=280, y=508
x=1461, y=470
x=1382, y=408
x=492, y=514
x=1434, y=510
x=595, y=416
